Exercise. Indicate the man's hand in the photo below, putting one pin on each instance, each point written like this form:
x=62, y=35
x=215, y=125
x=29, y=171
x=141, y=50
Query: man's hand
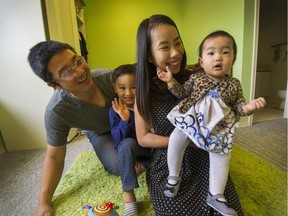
x=43, y=210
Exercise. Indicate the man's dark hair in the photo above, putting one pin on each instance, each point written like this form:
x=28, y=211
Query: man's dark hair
x=40, y=55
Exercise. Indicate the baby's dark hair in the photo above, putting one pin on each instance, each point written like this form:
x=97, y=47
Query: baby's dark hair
x=124, y=69
x=216, y=34
x=40, y=55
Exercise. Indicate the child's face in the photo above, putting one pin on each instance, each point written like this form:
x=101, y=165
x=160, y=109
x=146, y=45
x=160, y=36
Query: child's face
x=217, y=57
x=125, y=89
x=166, y=48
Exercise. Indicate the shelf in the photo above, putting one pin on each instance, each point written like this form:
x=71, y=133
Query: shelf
x=263, y=70
x=79, y=20
x=80, y=2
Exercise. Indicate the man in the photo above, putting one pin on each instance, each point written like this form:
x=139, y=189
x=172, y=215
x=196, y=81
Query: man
x=80, y=100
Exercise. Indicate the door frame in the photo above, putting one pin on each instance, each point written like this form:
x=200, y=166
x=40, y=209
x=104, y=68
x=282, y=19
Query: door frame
x=254, y=55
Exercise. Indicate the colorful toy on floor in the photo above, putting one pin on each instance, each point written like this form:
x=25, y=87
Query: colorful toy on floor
x=105, y=209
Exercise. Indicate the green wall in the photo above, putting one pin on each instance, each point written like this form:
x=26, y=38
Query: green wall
x=111, y=28
x=248, y=47
x=247, y=65
x=203, y=17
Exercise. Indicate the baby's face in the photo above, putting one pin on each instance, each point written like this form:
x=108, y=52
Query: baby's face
x=217, y=57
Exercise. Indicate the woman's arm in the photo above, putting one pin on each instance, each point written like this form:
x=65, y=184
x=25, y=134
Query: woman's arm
x=144, y=135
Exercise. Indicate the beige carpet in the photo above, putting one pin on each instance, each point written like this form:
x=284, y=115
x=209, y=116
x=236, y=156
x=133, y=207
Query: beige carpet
x=266, y=139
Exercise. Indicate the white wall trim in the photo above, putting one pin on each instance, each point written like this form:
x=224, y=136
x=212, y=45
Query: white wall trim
x=244, y=124
x=254, y=55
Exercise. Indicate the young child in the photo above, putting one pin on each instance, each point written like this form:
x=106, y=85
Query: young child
x=211, y=101
x=124, y=135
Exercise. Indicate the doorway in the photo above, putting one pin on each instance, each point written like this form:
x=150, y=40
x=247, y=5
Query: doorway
x=271, y=75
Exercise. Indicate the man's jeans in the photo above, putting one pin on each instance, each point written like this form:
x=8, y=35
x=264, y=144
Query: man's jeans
x=103, y=147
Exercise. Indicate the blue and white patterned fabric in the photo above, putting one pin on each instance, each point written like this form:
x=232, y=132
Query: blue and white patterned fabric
x=209, y=124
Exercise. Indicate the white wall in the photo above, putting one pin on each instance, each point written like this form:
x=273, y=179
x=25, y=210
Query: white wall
x=23, y=96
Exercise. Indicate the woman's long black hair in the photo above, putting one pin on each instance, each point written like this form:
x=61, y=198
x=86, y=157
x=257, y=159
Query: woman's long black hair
x=147, y=83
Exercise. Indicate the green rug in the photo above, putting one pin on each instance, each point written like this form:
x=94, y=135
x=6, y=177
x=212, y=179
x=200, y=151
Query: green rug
x=261, y=187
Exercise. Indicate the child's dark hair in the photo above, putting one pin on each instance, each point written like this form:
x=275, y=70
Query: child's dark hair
x=124, y=69
x=41, y=54
x=216, y=34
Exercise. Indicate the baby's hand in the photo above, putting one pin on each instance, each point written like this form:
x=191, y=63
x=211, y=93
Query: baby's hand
x=165, y=76
x=121, y=109
x=254, y=105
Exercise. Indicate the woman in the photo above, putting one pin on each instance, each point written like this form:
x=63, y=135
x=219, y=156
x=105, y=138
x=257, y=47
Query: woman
x=159, y=45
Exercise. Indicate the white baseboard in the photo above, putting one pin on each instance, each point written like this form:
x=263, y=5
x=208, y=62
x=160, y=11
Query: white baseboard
x=239, y=125
x=2, y=150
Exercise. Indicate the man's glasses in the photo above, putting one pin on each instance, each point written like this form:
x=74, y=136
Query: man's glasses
x=69, y=73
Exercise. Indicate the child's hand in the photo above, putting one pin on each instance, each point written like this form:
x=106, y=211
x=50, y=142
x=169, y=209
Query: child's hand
x=254, y=105
x=121, y=109
x=165, y=76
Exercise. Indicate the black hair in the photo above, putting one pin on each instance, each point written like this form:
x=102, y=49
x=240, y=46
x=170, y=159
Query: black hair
x=41, y=54
x=146, y=71
x=216, y=34
x=124, y=69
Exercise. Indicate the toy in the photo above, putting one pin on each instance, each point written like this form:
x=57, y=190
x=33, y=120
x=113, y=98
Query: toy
x=105, y=209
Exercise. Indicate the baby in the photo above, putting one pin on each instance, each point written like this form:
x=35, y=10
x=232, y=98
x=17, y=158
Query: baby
x=212, y=100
